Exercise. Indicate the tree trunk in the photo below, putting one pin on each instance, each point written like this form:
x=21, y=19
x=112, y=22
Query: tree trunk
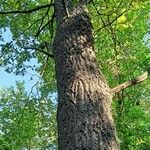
x=84, y=100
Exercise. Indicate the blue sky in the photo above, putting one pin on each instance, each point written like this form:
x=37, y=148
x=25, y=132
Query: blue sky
x=9, y=79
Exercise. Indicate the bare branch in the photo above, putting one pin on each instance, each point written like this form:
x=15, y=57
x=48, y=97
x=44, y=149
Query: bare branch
x=112, y=21
x=45, y=25
x=42, y=20
x=26, y=11
x=130, y=83
x=40, y=50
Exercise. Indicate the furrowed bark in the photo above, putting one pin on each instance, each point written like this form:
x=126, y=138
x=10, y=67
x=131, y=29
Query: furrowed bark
x=84, y=100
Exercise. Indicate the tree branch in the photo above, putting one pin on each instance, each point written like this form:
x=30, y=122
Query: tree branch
x=109, y=23
x=112, y=21
x=132, y=82
x=27, y=11
x=40, y=50
x=45, y=25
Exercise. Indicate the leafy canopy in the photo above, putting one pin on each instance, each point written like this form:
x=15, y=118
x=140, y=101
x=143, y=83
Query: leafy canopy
x=119, y=28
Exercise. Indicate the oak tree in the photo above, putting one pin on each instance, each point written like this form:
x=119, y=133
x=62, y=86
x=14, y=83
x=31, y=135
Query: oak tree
x=62, y=30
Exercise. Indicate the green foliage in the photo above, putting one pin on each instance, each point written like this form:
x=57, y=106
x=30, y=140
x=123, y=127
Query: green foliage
x=26, y=122
x=26, y=33
x=119, y=28
x=133, y=125
x=4, y=145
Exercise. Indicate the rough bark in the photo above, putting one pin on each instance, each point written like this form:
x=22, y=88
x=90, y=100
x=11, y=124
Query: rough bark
x=84, y=100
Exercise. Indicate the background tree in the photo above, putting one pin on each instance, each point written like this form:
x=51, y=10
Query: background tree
x=118, y=44
x=26, y=122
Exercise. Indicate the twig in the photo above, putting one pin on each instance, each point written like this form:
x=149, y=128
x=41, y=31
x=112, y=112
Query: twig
x=26, y=11
x=40, y=50
x=45, y=25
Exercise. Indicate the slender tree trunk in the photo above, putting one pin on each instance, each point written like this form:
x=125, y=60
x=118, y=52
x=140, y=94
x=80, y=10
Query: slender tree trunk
x=84, y=100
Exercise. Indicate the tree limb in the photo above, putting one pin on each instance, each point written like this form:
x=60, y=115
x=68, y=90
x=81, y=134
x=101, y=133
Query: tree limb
x=132, y=82
x=27, y=11
x=45, y=25
x=40, y=50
